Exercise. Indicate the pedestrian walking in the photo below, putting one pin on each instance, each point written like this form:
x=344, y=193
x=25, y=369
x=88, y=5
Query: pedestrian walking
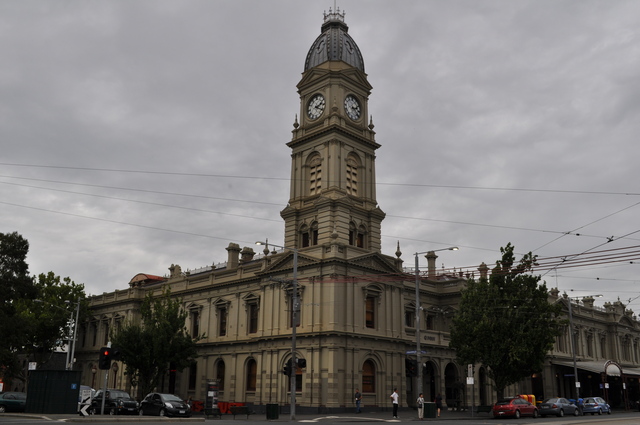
x=420, y=403
x=394, y=399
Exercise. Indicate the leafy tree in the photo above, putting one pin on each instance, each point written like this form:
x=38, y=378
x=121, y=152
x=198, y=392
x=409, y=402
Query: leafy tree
x=505, y=322
x=47, y=317
x=159, y=340
x=15, y=284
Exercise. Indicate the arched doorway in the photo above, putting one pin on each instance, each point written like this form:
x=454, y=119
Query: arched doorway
x=482, y=386
x=429, y=376
x=452, y=393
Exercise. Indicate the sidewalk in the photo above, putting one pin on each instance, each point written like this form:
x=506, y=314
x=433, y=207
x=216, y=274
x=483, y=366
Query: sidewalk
x=405, y=415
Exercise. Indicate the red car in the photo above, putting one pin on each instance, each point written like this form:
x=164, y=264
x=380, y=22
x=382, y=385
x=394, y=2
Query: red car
x=514, y=407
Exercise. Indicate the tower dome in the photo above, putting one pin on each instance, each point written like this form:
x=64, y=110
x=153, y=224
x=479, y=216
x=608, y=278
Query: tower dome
x=334, y=44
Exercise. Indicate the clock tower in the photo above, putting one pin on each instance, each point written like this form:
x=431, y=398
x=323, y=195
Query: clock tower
x=332, y=206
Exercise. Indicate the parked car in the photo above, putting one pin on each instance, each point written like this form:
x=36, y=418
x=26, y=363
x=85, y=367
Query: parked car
x=11, y=401
x=558, y=406
x=117, y=402
x=595, y=405
x=515, y=407
x=164, y=405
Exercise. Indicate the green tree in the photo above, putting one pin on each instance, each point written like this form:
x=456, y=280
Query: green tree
x=159, y=340
x=505, y=322
x=48, y=317
x=15, y=285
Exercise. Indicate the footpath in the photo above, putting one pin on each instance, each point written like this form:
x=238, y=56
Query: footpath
x=405, y=415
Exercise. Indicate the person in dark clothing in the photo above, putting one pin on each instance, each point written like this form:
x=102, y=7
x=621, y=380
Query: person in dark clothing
x=438, y=402
x=358, y=397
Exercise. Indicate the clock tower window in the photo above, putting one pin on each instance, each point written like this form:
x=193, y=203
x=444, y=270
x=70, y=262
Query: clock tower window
x=352, y=176
x=309, y=235
x=356, y=236
x=315, y=175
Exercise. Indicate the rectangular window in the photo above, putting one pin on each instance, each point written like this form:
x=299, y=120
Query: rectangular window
x=370, y=314
x=429, y=325
x=195, y=324
x=106, y=333
x=222, y=328
x=291, y=318
x=409, y=319
x=94, y=331
x=253, y=318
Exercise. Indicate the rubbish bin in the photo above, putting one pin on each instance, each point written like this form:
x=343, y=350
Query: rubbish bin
x=429, y=410
x=272, y=411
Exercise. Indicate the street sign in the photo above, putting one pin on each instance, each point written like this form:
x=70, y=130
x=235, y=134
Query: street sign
x=84, y=411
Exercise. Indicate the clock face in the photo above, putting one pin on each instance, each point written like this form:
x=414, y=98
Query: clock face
x=316, y=106
x=352, y=107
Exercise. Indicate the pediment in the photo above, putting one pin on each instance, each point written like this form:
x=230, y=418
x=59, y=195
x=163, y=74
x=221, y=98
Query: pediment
x=285, y=262
x=375, y=261
x=312, y=75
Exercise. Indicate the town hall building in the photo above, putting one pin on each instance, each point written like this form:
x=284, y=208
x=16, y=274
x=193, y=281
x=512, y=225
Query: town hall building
x=353, y=308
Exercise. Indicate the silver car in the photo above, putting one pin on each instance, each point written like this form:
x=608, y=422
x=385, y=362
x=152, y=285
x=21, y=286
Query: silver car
x=595, y=405
x=559, y=407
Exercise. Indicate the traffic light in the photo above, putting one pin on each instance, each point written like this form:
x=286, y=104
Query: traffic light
x=115, y=353
x=410, y=367
x=105, y=358
x=302, y=363
x=287, y=368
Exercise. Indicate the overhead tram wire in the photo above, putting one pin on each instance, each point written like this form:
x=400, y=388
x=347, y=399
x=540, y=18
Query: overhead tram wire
x=573, y=232
x=253, y=202
x=156, y=192
x=168, y=173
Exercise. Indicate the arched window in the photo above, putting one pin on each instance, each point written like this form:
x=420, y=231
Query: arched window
x=309, y=235
x=356, y=235
x=298, y=380
x=352, y=175
x=251, y=375
x=315, y=174
x=368, y=377
x=220, y=369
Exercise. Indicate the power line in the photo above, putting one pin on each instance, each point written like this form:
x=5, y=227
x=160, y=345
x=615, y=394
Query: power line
x=169, y=173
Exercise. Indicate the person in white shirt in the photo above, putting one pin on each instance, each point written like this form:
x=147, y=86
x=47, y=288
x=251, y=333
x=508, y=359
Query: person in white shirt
x=394, y=399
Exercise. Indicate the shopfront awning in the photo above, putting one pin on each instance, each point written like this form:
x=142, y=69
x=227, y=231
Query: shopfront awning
x=609, y=367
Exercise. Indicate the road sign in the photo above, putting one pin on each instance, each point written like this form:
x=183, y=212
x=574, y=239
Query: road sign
x=84, y=411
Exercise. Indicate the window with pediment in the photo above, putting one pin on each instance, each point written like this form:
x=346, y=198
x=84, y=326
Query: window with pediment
x=222, y=313
x=372, y=294
x=252, y=304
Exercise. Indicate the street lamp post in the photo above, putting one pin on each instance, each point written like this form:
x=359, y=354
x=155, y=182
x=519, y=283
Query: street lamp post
x=294, y=324
x=573, y=343
x=418, y=308
x=69, y=340
x=75, y=333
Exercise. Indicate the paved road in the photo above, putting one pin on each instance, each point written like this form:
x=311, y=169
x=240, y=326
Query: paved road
x=448, y=418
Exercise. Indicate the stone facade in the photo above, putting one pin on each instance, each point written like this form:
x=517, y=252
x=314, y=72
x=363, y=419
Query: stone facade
x=356, y=304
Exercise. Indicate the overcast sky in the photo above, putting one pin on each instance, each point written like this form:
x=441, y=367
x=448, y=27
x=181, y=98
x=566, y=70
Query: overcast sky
x=140, y=134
